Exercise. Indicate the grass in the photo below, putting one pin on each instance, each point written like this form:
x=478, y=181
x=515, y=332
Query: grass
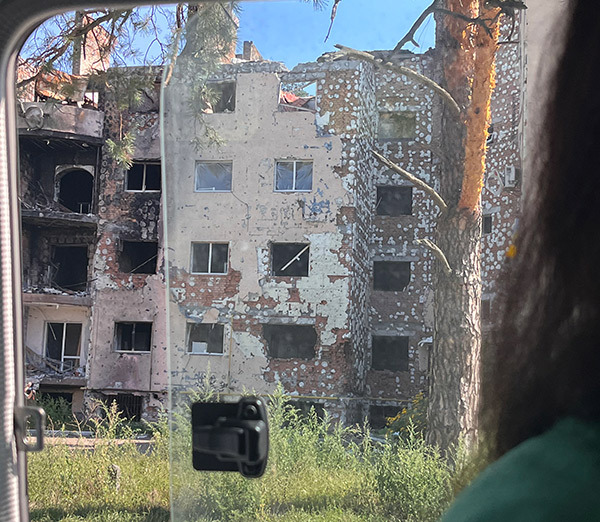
x=317, y=471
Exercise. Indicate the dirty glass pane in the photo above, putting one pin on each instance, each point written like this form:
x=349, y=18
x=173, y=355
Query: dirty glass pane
x=218, y=262
x=213, y=177
x=397, y=125
x=200, y=257
x=304, y=173
x=73, y=340
x=284, y=176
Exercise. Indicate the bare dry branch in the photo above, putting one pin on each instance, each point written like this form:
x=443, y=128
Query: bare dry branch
x=414, y=180
x=437, y=252
x=417, y=77
x=410, y=36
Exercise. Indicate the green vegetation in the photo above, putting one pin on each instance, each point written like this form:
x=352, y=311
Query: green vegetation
x=318, y=471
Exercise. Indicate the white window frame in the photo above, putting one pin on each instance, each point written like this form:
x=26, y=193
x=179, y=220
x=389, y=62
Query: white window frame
x=210, y=249
x=144, y=189
x=294, y=161
x=213, y=191
x=64, y=357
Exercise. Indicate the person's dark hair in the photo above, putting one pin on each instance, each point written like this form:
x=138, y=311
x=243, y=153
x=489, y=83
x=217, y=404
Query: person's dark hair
x=544, y=360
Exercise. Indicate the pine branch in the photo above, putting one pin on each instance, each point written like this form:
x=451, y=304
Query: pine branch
x=437, y=252
x=417, y=77
x=414, y=180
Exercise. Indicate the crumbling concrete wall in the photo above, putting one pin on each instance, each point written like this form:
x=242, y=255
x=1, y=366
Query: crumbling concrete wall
x=120, y=296
x=248, y=296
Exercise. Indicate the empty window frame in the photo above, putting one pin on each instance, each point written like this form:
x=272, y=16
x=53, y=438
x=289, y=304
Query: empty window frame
x=209, y=258
x=487, y=224
x=391, y=276
x=290, y=259
x=213, y=176
x=128, y=404
x=138, y=257
x=70, y=267
x=390, y=353
x=378, y=415
x=204, y=338
x=293, y=176
x=290, y=341
x=219, y=97
x=133, y=337
x=144, y=177
x=63, y=344
x=75, y=191
x=397, y=125
x=394, y=201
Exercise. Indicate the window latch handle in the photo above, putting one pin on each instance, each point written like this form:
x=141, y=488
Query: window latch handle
x=231, y=436
x=38, y=418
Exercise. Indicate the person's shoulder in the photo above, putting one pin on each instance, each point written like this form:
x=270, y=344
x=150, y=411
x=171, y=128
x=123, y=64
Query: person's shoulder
x=550, y=477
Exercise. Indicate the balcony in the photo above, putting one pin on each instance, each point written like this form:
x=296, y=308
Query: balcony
x=54, y=119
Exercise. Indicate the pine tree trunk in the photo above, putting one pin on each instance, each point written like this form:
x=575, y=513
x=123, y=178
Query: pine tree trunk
x=466, y=70
x=454, y=384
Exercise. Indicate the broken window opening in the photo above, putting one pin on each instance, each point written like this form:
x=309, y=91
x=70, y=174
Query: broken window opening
x=133, y=337
x=487, y=224
x=220, y=97
x=394, y=201
x=213, y=176
x=298, y=97
x=75, y=191
x=144, y=177
x=63, y=344
x=290, y=259
x=391, y=276
x=70, y=268
x=209, y=258
x=304, y=407
x=293, y=176
x=378, y=415
x=138, y=257
x=204, y=338
x=290, y=341
x=129, y=405
x=390, y=353
x=397, y=125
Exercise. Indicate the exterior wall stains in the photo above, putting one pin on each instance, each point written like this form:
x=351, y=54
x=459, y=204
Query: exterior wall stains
x=355, y=109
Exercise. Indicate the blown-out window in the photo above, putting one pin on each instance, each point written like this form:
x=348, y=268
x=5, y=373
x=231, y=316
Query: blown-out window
x=290, y=341
x=143, y=177
x=290, y=259
x=133, y=337
x=204, y=338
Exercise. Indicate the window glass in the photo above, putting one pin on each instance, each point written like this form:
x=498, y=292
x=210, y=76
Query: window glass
x=209, y=258
x=293, y=176
x=133, y=336
x=213, y=176
x=397, y=125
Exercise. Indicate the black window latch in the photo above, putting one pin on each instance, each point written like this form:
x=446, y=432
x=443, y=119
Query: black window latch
x=231, y=436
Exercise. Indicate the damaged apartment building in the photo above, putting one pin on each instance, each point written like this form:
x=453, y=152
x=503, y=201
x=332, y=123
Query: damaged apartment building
x=292, y=254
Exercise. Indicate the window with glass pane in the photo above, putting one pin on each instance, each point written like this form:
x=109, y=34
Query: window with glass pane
x=209, y=258
x=213, y=176
x=291, y=176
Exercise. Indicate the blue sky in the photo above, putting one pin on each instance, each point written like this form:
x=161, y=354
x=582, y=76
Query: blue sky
x=293, y=32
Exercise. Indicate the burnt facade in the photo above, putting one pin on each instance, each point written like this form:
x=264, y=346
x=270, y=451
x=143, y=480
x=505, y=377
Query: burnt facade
x=291, y=253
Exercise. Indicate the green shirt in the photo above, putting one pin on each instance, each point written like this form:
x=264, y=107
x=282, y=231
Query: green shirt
x=553, y=477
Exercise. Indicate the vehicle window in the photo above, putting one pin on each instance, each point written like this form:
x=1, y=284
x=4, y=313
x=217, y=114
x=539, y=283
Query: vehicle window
x=231, y=206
